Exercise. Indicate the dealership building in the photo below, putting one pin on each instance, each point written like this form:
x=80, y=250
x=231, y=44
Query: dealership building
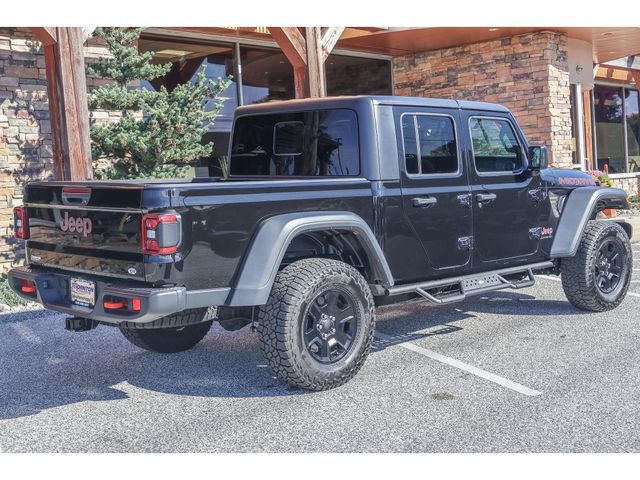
x=574, y=90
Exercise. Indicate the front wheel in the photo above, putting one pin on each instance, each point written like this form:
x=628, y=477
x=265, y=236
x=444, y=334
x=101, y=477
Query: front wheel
x=317, y=326
x=597, y=277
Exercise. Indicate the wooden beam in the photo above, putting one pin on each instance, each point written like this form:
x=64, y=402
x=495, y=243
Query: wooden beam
x=636, y=78
x=50, y=63
x=616, y=74
x=330, y=37
x=588, y=134
x=307, y=54
x=315, y=61
x=73, y=83
x=292, y=43
x=45, y=35
x=69, y=112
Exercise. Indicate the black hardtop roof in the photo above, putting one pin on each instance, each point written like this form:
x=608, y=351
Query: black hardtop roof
x=363, y=100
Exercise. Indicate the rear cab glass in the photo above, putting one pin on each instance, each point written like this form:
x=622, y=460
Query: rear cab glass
x=315, y=143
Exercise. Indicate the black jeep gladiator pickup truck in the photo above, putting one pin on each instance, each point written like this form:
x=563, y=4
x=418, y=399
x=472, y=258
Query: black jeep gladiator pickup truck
x=332, y=207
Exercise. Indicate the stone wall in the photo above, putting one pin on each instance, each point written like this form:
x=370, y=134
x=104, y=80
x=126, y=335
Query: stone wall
x=629, y=184
x=26, y=141
x=527, y=73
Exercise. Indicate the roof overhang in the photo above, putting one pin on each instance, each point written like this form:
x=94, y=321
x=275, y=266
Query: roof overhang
x=608, y=43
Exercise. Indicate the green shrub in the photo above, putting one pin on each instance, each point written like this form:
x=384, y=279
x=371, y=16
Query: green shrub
x=159, y=134
x=8, y=296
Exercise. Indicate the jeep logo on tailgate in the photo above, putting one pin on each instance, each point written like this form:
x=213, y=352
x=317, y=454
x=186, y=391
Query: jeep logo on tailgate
x=73, y=224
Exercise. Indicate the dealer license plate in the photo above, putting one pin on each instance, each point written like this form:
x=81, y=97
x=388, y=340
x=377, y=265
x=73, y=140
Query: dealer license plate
x=83, y=292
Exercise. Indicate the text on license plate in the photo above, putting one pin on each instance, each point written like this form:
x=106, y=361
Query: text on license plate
x=83, y=292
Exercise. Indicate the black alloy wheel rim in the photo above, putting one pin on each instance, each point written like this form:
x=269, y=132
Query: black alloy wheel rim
x=610, y=265
x=329, y=326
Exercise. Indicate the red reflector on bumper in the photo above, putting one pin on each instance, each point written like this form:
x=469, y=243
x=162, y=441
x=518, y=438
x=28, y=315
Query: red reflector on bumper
x=114, y=305
x=28, y=287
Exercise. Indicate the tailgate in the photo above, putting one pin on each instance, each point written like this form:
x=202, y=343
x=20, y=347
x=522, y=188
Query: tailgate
x=86, y=229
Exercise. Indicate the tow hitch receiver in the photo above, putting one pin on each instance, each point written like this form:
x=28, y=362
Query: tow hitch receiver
x=79, y=324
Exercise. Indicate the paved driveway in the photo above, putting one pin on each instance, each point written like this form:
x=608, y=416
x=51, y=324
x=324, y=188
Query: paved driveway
x=509, y=371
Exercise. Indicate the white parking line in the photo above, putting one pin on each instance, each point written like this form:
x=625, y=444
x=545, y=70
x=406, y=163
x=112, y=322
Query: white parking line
x=556, y=279
x=461, y=365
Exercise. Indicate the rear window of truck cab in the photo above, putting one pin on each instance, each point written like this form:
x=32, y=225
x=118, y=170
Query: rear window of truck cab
x=316, y=143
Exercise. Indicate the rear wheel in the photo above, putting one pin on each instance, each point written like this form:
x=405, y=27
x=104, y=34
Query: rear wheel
x=317, y=326
x=189, y=331
x=597, y=277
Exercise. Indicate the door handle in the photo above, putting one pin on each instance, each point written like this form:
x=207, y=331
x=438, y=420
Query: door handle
x=485, y=197
x=424, y=202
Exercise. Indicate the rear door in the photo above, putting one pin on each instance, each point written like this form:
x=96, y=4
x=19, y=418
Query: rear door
x=505, y=206
x=435, y=189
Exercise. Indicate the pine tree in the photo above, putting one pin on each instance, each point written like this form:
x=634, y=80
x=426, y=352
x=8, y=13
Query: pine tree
x=167, y=136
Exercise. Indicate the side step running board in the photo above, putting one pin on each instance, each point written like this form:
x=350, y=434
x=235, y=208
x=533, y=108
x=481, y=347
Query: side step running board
x=475, y=284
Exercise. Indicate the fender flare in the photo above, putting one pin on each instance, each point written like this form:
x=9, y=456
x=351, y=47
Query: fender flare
x=579, y=207
x=264, y=256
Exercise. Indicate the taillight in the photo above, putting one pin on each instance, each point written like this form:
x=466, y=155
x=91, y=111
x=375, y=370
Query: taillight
x=20, y=223
x=160, y=233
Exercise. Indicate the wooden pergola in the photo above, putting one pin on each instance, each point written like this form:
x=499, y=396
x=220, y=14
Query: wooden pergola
x=307, y=49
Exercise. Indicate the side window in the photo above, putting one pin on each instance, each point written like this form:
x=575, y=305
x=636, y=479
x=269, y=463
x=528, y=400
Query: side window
x=434, y=151
x=495, y=145
x=410, y=144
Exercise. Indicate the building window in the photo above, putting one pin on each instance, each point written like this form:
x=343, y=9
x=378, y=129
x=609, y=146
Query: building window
x=633, y=129
x=617, y=129
x=347, y=75
x=187, y=58
x=609, y=120
x=266, y=75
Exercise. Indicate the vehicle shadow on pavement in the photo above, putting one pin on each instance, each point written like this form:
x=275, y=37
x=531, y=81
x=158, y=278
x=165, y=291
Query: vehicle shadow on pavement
x=517, y=304
x=420, y=319
x=43, y=366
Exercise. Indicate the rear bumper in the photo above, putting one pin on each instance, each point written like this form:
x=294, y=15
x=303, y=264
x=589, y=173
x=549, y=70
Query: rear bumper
x=52, y=291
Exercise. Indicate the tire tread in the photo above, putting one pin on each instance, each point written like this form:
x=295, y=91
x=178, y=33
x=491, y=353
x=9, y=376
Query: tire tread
x=290, y=288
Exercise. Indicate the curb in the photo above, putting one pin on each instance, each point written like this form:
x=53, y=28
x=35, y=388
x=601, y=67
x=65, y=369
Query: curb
x=634, y=220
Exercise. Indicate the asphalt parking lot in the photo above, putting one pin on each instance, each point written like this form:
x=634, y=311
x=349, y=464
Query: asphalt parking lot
x=512, y=371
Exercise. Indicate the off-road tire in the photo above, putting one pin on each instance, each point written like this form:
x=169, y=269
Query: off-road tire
x=578, y=272
x=280, y=323
x=174, y=333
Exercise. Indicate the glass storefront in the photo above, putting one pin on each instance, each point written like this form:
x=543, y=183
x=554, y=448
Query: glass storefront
x=633, y=130
x=617, y=128
x=266, y=75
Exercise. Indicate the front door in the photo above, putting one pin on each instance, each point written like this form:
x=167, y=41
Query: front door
x=435, y=190
x=505, y=193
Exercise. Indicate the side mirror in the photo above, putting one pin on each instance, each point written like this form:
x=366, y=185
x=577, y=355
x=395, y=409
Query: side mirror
x=538, y=157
